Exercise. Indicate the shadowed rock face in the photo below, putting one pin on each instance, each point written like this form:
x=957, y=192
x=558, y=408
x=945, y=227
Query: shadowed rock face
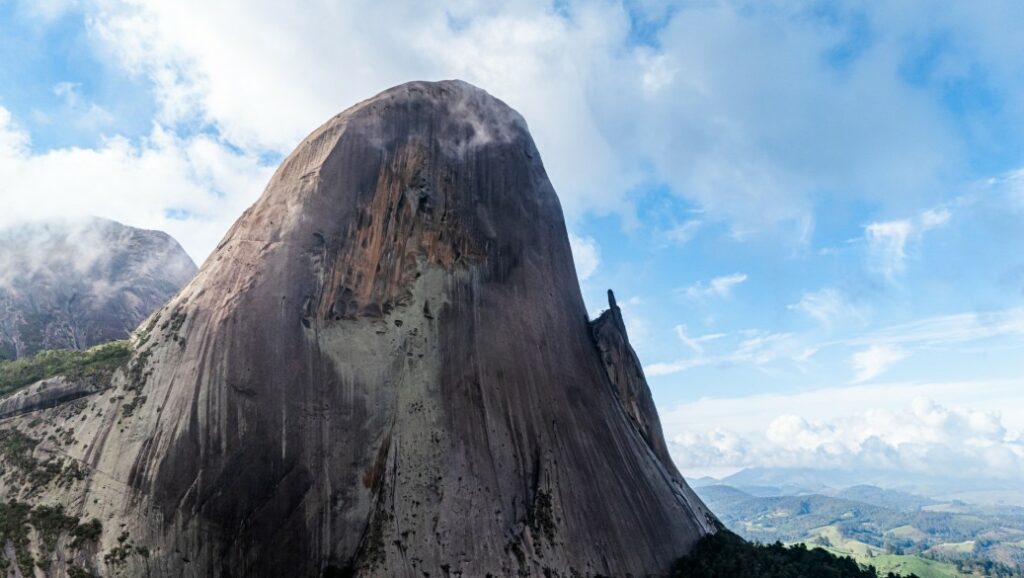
x=72, y=285
x=627, y=375
x=386, y=369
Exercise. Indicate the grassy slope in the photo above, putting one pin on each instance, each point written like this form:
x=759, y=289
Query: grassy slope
x=898, y=564
x=912, y=565
x=726, y=555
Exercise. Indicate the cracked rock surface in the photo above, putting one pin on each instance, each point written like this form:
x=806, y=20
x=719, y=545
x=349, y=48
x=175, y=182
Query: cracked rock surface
x=384, y=369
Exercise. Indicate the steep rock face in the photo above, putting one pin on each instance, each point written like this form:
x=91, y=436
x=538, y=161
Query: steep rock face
x=627, y=375
x=72, y=285
x=385, y=369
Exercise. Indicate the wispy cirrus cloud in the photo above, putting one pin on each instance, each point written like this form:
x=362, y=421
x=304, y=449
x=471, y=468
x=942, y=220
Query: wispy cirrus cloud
x=695, y=343
x=887, y=246
x=682, y=233
x=85, y=115
x=716, y=287
x=827, y=306
x=751, y=347
x=948, y=329
x=887, y=241
x=870, y=353
x=873, y=361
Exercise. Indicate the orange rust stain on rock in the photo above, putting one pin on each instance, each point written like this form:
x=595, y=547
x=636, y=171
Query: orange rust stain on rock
x=409, y=217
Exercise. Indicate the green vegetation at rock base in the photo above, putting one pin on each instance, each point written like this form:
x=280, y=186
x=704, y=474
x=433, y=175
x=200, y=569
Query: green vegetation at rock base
x=50, y=523
x=96, y=364
x=726, y=555
x=907, y=534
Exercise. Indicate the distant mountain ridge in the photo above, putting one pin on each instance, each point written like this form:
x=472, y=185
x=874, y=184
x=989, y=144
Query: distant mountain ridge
x=75, y=284
x=782, y=481
x=883, y=498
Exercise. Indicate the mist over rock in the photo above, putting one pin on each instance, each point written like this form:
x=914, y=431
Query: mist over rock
x=384, y=369
x=75, y=284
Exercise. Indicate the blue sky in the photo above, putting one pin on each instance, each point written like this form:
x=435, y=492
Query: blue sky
x=799, y=204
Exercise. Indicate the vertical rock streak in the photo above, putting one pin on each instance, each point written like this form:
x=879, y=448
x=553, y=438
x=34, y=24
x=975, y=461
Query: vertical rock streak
x=386, y=369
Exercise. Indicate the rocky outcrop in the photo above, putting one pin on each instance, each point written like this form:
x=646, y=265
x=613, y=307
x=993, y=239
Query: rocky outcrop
x=72, y=285
x=627, y=375
x=45, y=394
x=384, y=369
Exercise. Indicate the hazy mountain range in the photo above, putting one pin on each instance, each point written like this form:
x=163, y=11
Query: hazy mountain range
x=932, y=536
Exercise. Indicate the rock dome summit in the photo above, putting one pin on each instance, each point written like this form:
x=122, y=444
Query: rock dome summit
x=384, y=369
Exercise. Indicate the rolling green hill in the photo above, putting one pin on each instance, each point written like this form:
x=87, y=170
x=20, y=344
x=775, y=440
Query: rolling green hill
x=898, y=532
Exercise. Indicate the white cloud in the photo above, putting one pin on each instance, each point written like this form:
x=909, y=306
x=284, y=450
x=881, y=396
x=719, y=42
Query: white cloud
x=755, y=348
x=143, y=184
x=887, y=243
x=948, y=429
x=693, y=109
x=717, y=287
x=827, y=306
x=668, y=368
x=1015, y=183
x=933, y=218
x=208, y=60
x=13, y=141
x=875, y=360
x=683, y=233
x=695, y=343
x=735, y=128
x=949, y=329
x=84, y=115
x=585, y=255
x=658, y=73
x=762, y=348
x=877, y=350
x=997, y=198
x=46, y=10
x=68, y=91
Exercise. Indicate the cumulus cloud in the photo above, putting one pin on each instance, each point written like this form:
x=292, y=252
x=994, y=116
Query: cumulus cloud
x=193, y=188
x=689, y=107
x=717, y=287
x=873, y=361
x=208, y=60
x=913, y=435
